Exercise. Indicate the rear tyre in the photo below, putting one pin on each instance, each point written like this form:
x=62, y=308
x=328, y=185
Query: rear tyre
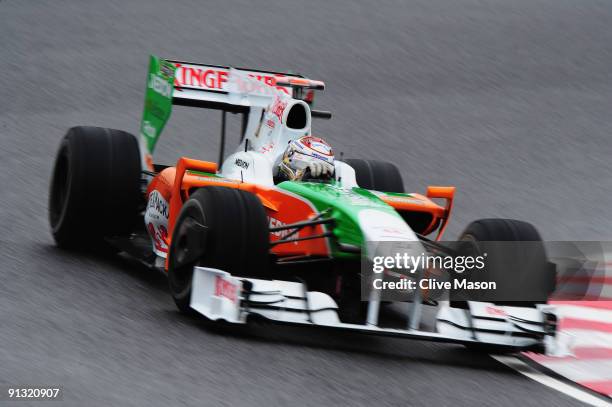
x=377, y=175
x=95, y=187
x=218, y=227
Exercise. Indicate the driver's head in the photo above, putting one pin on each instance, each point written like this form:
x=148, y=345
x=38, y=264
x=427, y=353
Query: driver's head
x=307, y=158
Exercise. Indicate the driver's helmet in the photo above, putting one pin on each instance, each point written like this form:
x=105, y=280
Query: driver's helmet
x=307, y=158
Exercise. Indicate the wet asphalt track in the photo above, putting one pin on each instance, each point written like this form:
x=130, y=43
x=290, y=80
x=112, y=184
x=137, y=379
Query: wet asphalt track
x=509, y=101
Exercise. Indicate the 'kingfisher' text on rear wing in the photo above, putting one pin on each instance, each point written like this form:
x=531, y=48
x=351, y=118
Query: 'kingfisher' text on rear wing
x=210, y=86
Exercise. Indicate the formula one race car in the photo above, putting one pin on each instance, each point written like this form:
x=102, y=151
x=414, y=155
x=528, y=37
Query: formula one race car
x=239, y=241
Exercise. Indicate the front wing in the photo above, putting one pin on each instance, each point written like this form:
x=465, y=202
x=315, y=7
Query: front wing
x=219, y=296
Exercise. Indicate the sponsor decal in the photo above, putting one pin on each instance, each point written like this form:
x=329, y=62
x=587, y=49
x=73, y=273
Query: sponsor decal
x=273, y=223
x=213, y=179
x=498, y=312
x=389, y=230
x=214, y=78
x=278, y=108
x=401, y=199
x=225, y=288
x=200, y=78
x=241, y=163
x=159, y=237
x=320, y=147
x=378, y=225
x=156, y=220
x=266, y=148
x=321, y=157
x=270, y=123
x=157, y=105
x=356, y=199
x=317, y=144
x=158, y=204
x=148, y=129
x=159, y=85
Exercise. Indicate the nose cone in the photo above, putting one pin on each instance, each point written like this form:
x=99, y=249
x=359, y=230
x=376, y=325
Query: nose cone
x=387, y=235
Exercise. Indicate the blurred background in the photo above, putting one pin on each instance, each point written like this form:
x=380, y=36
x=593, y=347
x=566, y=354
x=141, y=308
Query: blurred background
x=510, y=101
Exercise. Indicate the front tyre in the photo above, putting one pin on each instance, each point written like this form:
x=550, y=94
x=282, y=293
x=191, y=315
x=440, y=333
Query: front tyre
x=218, y=227
x=522, y=267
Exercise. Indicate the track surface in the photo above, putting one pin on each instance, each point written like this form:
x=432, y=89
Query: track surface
x=509, y=101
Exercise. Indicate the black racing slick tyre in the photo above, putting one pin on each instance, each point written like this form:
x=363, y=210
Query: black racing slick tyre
x=222, y=228
x=95, y=186
x=522, y=269
x=377, y=175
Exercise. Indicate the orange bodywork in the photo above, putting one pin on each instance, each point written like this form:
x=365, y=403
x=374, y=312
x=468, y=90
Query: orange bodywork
x=447, y=193
x=417, y=203
x=283, y=207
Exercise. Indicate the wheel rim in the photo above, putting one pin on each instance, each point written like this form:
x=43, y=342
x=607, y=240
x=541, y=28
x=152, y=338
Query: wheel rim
x=182, y=255
x=181, y=270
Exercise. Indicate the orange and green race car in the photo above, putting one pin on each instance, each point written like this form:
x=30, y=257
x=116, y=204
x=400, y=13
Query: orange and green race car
x=238, y=241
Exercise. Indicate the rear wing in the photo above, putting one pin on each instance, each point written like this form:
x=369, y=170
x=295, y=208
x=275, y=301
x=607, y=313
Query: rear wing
x=229, y=89
x=217, y=87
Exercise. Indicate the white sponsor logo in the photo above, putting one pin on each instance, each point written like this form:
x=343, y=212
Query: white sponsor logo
x=148, y=129
x=274, y=223
x=156, y=221
x=157, y=204
x=160, y=86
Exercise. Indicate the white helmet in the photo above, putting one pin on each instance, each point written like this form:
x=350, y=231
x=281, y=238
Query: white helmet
x=307, y=157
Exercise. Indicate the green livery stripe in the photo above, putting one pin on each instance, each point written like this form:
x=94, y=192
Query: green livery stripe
x=346, y=205
x=202, y=173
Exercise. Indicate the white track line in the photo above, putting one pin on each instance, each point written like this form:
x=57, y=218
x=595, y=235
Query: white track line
x=580, y=312
x=575, y=392
x=585, y=337
x=580, y=371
